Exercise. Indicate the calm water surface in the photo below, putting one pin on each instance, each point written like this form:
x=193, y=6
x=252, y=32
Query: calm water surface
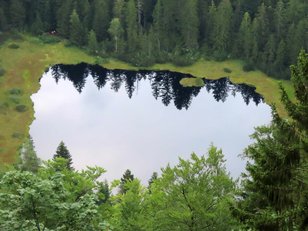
x=141, y=120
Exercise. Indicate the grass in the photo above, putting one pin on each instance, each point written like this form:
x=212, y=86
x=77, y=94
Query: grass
x=25, y=65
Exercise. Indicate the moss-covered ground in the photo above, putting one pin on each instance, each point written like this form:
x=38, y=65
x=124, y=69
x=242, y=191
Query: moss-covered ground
x=25, y=63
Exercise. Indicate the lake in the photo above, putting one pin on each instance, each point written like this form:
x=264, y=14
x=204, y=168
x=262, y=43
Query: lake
x=141, y=120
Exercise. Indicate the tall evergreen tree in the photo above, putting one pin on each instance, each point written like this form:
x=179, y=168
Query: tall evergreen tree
x=101, y=18
x=17, y=13
x=63, y=152
x=29, y=160
x=127, y=177
x=245, y=36
x=131, y=26
x=188, y=23
x=92, y=42
x=222, y=28
x=77, y=35
x=276, y=189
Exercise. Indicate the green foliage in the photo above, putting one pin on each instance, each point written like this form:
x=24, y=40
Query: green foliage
x=16, y=91
x=227, y=70
x=248, y=67
x=147, y=32
x=49, y=200
x=28, y=158
x=63, y=152
x=77, y=35
x=116, y=32
x=21, y=108
x=92, y=43
x=49, y=39
x=2, y=72
x=193, y=195
x=127, y=177
x=276, y=188
x=13, y=46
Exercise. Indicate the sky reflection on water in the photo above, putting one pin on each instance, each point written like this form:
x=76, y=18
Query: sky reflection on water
x=111, y=130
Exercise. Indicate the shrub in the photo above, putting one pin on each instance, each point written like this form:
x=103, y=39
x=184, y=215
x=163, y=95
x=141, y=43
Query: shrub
x=17, y=135
x=2, y=71
x=49, y=39
x=227, y=70
x=21, y=108
x=248, y=67
x=16, y=91
x=15, y=99
x=13, y=46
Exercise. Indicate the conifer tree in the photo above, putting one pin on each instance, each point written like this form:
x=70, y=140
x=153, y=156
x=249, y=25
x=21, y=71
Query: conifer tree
x=63, y=152
x=131, y=26
x=245, y=35
x=76, y=29
x=29, y=160
x=276, y=189
x=17, y=13
x=92, y=42
x=127, y=177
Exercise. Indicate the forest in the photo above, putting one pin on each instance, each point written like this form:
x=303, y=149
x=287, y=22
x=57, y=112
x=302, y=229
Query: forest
x=144, y=32
x=196, y=193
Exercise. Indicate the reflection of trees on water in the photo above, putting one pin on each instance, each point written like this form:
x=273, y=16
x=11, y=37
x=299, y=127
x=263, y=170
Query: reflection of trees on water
x=165, y=84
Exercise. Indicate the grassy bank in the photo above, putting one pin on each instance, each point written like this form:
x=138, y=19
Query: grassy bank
x=25, y=62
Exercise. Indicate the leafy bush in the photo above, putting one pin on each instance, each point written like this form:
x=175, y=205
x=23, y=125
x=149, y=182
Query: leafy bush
x=13, y=46
x=49, y=39
x=16, y=91
x=2, y=71
x=21, y=108
x=248, y=67
x=227, y=70
x=17, y=135
x=15, y=98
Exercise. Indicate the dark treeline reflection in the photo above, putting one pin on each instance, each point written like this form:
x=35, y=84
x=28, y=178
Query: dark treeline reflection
x=165, y=84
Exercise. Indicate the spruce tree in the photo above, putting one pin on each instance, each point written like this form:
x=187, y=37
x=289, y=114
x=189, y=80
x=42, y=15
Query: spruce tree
x=131, y=26
x=76, y=29
x=63, y=152
x=17, y=13
x=245, y=36
x=276, y=188
x=92, y=42
x=28, y=158
x=127, y=177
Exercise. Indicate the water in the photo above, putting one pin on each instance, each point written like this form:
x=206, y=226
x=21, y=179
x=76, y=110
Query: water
x=141, y=120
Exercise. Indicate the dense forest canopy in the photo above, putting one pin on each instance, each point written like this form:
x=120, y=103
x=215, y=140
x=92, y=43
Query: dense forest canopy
x=266, y=34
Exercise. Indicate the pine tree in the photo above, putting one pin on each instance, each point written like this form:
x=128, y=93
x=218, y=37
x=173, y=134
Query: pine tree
x=101, y=18
x=245, y=36
x=131, y=26
x=3, y=20
x=37, y=26
x=17, y=13
x=276, y=189
x=63, y=152
x=76, y=29
x=188, y=24
x=29, y=160
x=92, y=42
x=222, y=29
x=127, y=177
x=63, y=18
